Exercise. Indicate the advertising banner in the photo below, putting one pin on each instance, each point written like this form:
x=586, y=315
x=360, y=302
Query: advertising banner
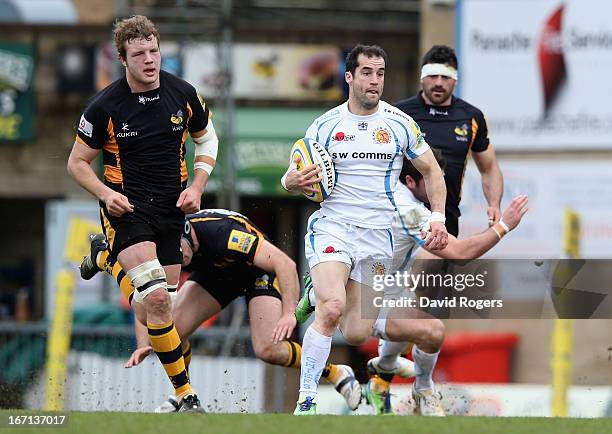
x=553, y=186
x=268, y=71
x=16, y=105
x=537, y=69
x=468, y=399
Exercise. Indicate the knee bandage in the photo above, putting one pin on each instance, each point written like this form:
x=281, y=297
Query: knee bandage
x=146, y=278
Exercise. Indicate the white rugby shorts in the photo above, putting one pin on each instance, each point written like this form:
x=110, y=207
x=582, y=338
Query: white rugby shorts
x=365, y=251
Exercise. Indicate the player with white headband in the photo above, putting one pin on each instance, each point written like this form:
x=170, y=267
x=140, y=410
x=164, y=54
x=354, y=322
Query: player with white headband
x=434, y=69
x=456, y=128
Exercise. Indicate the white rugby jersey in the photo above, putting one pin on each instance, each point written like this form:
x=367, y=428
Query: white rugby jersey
x=410, y=220
x=367, y=154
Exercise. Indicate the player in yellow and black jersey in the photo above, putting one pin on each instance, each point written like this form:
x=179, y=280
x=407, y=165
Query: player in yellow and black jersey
x=229, y=257
x=142, y=136
x=456, y=128
x=140, y=124
x=223, y=262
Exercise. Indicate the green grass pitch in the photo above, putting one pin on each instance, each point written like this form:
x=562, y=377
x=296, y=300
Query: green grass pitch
x=138, y=423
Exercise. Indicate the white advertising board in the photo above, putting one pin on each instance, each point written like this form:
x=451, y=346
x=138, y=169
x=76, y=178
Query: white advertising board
x=552, y=186
x=537, y=69
x=509, y=400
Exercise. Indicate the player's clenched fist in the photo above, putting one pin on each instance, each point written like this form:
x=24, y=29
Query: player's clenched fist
x=117, y=204
x=189, y=200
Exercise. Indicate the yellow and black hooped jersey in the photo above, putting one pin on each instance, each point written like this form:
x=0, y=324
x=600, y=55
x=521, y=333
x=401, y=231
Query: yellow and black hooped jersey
x=227, y=240
x=455, y=130
x=142, y=136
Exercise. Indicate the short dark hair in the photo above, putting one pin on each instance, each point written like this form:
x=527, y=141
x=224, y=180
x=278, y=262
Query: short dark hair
x=366, y=50
x=408, y=168
x=441, y=54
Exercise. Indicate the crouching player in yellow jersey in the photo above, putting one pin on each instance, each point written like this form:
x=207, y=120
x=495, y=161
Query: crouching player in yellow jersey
x=229, y=257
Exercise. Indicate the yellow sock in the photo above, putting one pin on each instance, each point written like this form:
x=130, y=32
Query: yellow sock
x=166, y=342
x=124, y=282
x=112, y=267
x=187, y=355
x=380, y=385
x=295, y=355
x=102, y=261
x=332, y=373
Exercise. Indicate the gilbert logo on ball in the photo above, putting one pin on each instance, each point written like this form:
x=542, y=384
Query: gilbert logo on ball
x=312, y=152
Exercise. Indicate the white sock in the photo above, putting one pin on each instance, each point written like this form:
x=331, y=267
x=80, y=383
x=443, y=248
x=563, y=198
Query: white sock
x=424, y=364
x=389, y=353
x=312, y=298
x=315, y=352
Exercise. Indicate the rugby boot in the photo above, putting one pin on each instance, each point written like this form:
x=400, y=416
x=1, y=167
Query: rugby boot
x=89, y=268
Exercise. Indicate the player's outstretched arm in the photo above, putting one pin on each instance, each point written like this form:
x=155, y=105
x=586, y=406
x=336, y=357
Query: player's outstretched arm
x=298, y=181
x=271, y=258
x=477, y=245
x=436, y=192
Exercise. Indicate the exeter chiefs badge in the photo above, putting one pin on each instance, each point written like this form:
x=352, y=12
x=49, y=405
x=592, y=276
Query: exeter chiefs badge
x=378, y=269
x=381, y=135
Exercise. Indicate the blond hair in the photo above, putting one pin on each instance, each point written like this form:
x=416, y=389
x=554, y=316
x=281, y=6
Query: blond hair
x=129, y=29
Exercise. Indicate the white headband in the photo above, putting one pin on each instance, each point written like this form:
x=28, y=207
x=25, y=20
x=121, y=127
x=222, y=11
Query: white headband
x=438, y=69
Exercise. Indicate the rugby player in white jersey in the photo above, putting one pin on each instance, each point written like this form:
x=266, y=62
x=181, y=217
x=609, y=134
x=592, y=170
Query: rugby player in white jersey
x=409, y=223
x=349, y=238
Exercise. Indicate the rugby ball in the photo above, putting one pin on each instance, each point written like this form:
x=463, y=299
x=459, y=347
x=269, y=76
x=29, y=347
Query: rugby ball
x=312, y=152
